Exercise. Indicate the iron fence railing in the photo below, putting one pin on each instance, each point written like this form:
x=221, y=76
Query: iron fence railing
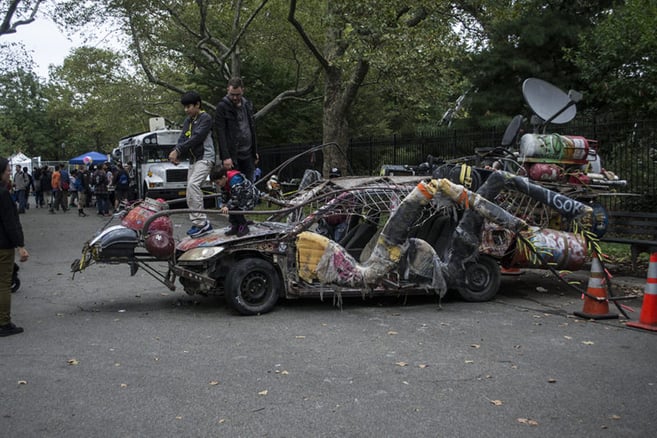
x=629, y=149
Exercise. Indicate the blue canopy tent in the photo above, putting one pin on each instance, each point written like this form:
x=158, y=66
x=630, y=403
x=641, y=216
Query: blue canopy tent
x=89, y=158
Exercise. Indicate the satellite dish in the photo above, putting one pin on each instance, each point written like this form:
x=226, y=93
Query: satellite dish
x=549, y=102
x=511, y=131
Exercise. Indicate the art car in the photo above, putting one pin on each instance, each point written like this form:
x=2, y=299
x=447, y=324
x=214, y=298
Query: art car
x=404, y=235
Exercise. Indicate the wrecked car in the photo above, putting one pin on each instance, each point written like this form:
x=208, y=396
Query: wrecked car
x=406, y=235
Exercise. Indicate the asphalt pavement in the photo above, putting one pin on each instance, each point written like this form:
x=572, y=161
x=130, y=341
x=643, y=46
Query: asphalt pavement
x=109, y=355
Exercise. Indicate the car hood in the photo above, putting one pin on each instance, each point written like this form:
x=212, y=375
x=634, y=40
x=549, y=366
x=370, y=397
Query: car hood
x=257, y=231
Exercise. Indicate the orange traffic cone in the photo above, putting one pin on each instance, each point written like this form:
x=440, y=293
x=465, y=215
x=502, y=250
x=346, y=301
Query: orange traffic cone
x=596, y=309
x=648, y=318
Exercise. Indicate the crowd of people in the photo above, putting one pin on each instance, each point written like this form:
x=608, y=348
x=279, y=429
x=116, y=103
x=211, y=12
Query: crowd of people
x=105, y=186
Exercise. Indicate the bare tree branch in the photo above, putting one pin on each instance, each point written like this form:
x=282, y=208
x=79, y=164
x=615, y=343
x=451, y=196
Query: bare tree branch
x=306, y=39
x=287, y=95
x=7, y=27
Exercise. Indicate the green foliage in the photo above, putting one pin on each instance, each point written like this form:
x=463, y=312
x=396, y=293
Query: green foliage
x=529, y=39
x=616, y=59
x=93, y=101
x=23, y=121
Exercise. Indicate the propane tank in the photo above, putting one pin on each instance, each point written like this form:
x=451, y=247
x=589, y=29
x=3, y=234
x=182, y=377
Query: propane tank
x=137, y=217
x=554, y=148
x=545, y=172
x=560, y=249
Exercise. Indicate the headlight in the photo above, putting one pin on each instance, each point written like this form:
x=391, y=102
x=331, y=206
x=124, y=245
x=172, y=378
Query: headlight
x=200, y=254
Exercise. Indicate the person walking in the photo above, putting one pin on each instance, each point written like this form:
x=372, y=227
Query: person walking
x=65, y=185
x=80, y=189
x=46, y=187
x=101, y=191
x=235, y=127
x=20, y=188
x=11, y=238
x=195, y=142
x=56, y=184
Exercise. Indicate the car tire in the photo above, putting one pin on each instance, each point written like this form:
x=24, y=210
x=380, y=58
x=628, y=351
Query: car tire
x=252, y=286
x=482, y=280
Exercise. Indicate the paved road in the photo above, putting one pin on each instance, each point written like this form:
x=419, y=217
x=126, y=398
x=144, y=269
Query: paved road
x=108, y=355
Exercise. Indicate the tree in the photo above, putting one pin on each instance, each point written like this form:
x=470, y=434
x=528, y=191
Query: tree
x=363, y=36
x=93, y=100
x=23, y=121
x=517, y=39
x=16, y=13
x=617, y=59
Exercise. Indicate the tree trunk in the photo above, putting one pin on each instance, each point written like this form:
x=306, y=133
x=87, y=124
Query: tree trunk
x=335, y=125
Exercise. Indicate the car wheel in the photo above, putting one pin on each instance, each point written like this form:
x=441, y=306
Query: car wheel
x=482, y=280
x=252, y=286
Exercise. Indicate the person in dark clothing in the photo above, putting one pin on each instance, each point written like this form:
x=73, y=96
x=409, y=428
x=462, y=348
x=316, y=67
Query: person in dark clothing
x=46, y=187
x=235, y=129
x=38, y=193
x=242, y=195
x=11, y=238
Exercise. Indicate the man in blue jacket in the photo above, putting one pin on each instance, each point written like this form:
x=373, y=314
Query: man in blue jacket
x=235, y=128
x=195, y=142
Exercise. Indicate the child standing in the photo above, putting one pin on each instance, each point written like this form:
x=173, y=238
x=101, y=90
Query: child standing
x=242, y=195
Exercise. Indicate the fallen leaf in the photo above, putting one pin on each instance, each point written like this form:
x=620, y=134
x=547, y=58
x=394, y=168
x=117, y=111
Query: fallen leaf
x=73, y=362
x=422, y=365
x=401, y=364
x=568, y=337
x=392, y=333
x=552, y=380
x=475, y=346
x=214, y=382
x=123, y=385
x=588, y=342
x=615, y=417
x=527, y=421
x=300, y=337
x=22, y=382
x=222, y=421
x=265, y=392
x=285, y=373
x=179, y=417
x=469, y=361
x=496, y=402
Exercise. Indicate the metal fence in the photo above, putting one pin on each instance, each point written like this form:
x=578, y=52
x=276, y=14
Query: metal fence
x=628, y=149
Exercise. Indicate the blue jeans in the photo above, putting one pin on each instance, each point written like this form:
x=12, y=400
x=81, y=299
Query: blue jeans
x=22, y=201
x=102, y=202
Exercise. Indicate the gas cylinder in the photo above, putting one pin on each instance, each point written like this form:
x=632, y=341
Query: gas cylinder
x=560, y=249
x=545, y=172
x=554, y=148
x=137, y=217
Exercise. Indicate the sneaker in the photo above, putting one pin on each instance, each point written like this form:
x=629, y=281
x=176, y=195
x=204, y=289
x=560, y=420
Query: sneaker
x=243, y=230
x=10, y=329
x=197, y=231
x=232, y=231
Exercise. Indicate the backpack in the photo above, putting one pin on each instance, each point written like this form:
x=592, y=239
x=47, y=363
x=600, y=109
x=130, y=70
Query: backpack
x=123, y=179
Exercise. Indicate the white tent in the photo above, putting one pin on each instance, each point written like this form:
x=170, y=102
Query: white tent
x=22, y=159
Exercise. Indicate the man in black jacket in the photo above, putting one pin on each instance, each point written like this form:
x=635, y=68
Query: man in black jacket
x=11, y=239
x=235, y=128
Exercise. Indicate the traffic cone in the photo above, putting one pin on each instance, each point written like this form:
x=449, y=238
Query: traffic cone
x=594, y=309
x=648, y=318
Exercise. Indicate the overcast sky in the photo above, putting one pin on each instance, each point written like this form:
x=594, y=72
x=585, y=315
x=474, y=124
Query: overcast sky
x=47, y=44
